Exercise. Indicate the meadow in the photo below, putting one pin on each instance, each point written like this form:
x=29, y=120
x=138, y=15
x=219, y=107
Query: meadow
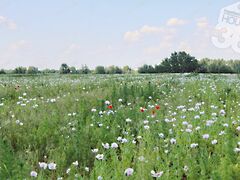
x=168, y=126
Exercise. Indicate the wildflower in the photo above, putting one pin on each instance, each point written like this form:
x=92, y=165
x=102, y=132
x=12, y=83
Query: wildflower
x=94, y=150
x=193, y=145
x=87, y=169
x=128, y=120
x=114, y=145
x=128, y=172
x=106, y=146
x=221, y=133
x=107, y=102
x=75, y=163
x=43, y=165
x=146, y=127
x=237, y=150
x=157, y=107
x=68, y=171
x=119, y=138
x=141, y=158
x=124, y=140
x=142, y=109
x=52, y=166
x=161, y=135
x=120, y=100
x=99, y=178
x=110, y=107
x=173, y=141
x=94, y=110
x=33, y=174
x=185, y=168
x=222, y=112
x=214, y=141
x=156, y=174
x=205, y=136
x=238, y=128
x=100, y=156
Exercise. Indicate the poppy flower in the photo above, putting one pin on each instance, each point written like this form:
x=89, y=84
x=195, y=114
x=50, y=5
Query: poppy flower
x=110, y=107
x=157, y=107
x=141, y=109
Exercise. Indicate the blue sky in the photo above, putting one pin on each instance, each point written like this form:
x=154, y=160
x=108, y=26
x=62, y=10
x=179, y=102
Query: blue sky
x=47, y=33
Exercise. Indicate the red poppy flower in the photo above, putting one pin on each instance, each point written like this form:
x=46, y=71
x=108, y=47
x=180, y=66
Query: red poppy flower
x=110, y=107
x=157, y=107
x=141, y=109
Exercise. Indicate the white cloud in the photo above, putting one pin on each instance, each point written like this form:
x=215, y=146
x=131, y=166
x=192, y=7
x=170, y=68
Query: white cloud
x=133, y=36
x=8, y=23
x=176, y=22
x=202, y=22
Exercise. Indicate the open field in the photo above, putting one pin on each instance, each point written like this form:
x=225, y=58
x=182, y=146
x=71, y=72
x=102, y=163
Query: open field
x=120, y=127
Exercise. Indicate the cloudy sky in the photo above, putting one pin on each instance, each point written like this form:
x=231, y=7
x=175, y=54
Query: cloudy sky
x=46, y=33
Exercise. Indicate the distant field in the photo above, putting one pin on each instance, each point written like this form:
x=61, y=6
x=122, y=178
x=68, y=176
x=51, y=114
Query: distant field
x=168, y=126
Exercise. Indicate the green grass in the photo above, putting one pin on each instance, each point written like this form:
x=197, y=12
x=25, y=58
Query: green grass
x=52, y=119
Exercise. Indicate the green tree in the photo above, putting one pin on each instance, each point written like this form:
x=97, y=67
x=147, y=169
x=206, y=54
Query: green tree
x=2, y=71
x=64, y=69
x=85, y=70
x=146, y=69
x=32, y=70
x=100, y=70
x=127, y=70
x=180, y=62
x=20, y=70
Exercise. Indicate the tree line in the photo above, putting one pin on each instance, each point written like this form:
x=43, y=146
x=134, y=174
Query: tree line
x=178, y=62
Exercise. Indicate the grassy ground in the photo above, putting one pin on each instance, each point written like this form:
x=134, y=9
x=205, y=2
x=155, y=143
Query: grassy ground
x=156, y=126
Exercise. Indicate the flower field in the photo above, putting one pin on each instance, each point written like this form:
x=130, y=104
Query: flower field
x=167, y=126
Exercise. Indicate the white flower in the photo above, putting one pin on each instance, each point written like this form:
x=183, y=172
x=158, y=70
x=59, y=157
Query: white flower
x=156, y=174
x=114, y=145
x=119, y=138
x=185, y=168
x=68, y=171
x=205, y=136
x=33, y=174
x=221, y=133
x=237, y=150
x=43, y=165
x=107, y=102
x=120, y=100
x=161, y=135
x=75, y=163
x=238, y=128
x=100, y=156
x=214, y=141
x=128, y=120
x=146, y=127
x=93, y=110
x=94, y=150
x=173, y=141
x=106, y=146
x=87, y=169
x=222, y=112
x=193, y=145
x=52, y=166
x=141, y=158
x=124, y=140
x=128, y=172
x=99, y=178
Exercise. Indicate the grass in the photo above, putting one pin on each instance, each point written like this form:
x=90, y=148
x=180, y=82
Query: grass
x=61, y=119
